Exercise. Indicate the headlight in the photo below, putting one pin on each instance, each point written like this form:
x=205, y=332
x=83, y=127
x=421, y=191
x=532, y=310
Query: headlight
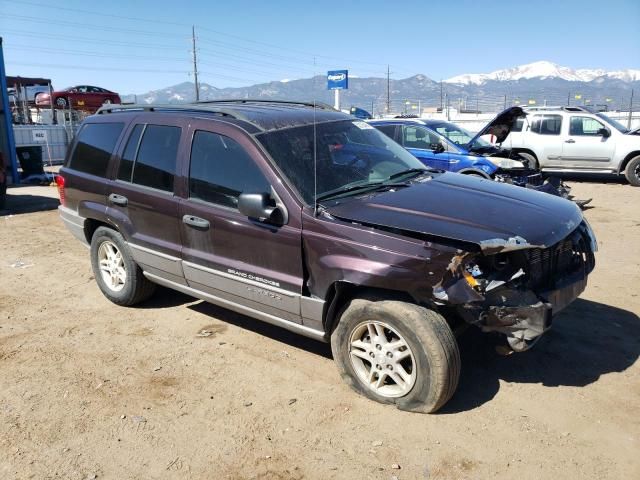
x=505, y=163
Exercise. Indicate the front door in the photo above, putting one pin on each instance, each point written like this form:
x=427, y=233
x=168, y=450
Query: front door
x=584, y=146
x=424, y=144
x=237, y=259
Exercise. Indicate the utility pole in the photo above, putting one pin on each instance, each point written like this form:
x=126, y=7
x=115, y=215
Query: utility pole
x=441, y=98
x=195, y=62
x=505, y=102
x=630, y=110
x=568, y=98
x=388, y=90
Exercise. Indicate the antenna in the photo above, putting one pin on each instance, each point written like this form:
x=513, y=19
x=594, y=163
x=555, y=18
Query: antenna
x=315, y=155
x=195, y=63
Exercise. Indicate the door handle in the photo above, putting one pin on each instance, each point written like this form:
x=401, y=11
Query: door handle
x=118, y=200
x=196, y=222
x=571, y=140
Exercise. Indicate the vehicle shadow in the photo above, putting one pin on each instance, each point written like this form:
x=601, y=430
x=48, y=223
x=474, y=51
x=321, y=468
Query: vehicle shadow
x=589, y=178
x=588, y=339
x=17, y=204
x=273, y=332
x=168, y=298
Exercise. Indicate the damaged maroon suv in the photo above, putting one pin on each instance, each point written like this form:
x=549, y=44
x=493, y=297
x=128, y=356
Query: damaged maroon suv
x=309, y=219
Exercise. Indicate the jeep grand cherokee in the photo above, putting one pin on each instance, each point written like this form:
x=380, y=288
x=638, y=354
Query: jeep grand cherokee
x=307, y=218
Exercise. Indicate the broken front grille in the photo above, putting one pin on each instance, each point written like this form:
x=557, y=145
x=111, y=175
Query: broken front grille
x=547, y=266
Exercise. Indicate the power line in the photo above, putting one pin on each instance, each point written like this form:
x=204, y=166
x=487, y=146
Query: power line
x=91, y=67
x=99, y=42
x=138, y=19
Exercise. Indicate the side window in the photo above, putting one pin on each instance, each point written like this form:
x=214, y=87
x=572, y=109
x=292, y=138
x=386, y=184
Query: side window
x=129, y=156
x=221, y=170
x=584, y=126
x=155, y=163
x=388, y=130
x=546, y=124
x=417, y=137
x=96, y=142
x=517, y=126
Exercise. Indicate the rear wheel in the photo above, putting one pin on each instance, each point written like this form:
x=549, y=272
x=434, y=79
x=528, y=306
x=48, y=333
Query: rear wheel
x=120, y=279
x=397, y=353
x=533, y=162
x=632, y=172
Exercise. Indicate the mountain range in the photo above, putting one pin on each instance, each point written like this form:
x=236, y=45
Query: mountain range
x=544, y=70
x=536, y=83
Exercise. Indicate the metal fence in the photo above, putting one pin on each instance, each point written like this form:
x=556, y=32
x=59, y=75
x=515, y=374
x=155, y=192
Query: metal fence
x=474, y=100
x=54, y=140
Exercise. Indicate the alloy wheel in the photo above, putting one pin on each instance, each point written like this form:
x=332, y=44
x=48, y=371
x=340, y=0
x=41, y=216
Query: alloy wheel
x=382, y=359
x=112, y=267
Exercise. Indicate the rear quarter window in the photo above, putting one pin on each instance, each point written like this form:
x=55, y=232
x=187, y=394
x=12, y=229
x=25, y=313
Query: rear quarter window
x=95, y=145
x=546, y=124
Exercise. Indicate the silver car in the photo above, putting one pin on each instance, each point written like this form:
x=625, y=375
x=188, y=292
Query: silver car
x=577, y=139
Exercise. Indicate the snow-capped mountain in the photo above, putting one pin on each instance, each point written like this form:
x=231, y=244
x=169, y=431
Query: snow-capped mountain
x=544, y=69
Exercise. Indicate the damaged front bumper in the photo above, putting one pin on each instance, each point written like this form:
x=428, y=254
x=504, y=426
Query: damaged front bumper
x=523, y=316
x=529, y=288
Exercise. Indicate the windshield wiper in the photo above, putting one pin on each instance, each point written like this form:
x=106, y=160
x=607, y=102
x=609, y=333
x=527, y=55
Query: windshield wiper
x=358, y=188
x=408, y=172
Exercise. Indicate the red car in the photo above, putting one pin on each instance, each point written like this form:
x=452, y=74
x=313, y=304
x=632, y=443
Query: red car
x=81, y=97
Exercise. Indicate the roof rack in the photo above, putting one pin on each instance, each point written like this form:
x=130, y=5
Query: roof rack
x=217, y=107
x=576, y=108
x=247, y=101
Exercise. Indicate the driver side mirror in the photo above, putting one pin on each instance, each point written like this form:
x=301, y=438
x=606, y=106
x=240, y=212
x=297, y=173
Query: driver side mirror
x=261, y=207
x=604, y=132
x=437, y=147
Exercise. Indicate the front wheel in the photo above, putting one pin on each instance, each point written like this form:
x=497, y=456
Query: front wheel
x=120, y=279
x=61, y=102
x=632, y=172
x=397, y=353
x=531, y=160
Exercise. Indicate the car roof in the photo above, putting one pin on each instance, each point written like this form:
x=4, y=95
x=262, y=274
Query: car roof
x=256, y=116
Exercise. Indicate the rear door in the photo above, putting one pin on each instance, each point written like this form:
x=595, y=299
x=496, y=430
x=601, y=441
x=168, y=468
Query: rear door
x=584, y=147
x=545, y=138
x=234, y=258
x=422, y=143
x=141, y=198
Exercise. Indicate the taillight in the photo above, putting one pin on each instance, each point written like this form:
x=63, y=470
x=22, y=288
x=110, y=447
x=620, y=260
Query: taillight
x=60, y=184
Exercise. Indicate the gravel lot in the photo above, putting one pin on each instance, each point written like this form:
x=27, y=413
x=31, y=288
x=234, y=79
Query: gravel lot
x=178, y=388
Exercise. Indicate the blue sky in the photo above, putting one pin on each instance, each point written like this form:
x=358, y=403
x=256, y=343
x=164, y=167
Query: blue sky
x=138, y=45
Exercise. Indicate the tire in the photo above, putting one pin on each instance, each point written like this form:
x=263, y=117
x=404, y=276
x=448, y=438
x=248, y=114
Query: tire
x=107, y=101
x=432, y=361
x=533, y=162
x=61, y=102
x=126, y=285
x=632, y=172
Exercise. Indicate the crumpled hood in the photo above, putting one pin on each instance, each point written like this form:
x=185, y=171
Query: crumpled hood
x=499, y=126
x=495, y=216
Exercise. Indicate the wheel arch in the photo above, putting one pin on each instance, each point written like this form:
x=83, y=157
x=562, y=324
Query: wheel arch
x=91, y=225
x=525, y=150
x=474, y=171
x=340, y=293
x=627, y=159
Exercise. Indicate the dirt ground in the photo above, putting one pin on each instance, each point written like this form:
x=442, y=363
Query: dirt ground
x=181, y=389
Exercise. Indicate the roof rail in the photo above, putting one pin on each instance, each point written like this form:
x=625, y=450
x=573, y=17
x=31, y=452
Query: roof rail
x=545, y=107
x=575, y=108
x=247, y=101
x=217, y=107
